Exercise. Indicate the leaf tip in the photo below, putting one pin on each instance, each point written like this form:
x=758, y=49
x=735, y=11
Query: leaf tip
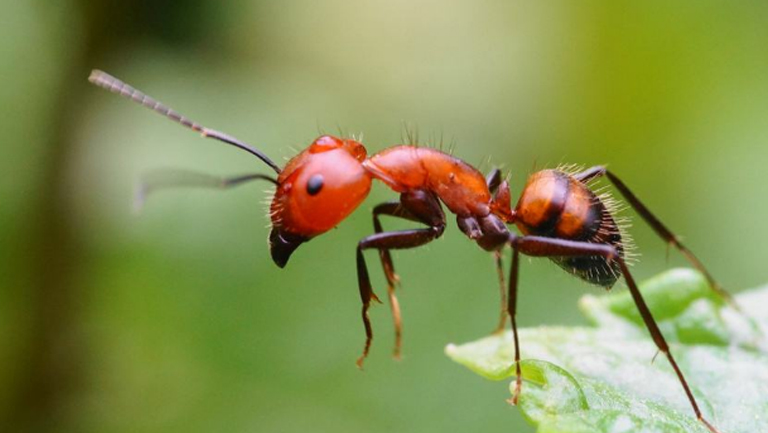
x=450, y=349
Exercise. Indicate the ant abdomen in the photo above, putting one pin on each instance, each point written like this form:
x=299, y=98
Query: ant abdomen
x=557, y=205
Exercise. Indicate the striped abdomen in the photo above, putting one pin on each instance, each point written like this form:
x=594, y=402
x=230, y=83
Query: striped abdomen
x=555, y=204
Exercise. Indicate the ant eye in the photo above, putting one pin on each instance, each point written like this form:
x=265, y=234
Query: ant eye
x=315, y=184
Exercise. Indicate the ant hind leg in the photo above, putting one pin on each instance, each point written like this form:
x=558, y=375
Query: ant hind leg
x=552, y=247
x=512, y=311
x=502, y=293
x=661, y=230
x=494, y=180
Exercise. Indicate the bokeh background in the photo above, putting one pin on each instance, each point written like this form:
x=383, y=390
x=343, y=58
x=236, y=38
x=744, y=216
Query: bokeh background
x=177, y=320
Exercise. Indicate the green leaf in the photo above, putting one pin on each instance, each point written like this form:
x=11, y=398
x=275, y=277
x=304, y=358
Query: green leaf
x=603, y=379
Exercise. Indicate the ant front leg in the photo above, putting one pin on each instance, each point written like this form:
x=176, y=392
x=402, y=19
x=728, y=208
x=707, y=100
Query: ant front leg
x=394, y=209
x=661, y=230
x=419, y=206
x=551, y=247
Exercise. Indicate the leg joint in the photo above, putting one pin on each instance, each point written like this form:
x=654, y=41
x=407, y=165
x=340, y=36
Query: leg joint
x=438, y=230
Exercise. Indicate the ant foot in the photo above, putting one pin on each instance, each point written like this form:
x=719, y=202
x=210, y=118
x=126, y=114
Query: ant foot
x=709, y=426
x=516, y=394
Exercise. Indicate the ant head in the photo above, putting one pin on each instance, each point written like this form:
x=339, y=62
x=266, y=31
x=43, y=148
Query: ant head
x=316, y=190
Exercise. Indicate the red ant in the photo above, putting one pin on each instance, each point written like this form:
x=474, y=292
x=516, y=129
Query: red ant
x=558, y=214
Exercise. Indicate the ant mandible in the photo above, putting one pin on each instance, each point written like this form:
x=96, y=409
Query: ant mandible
x=558, y=214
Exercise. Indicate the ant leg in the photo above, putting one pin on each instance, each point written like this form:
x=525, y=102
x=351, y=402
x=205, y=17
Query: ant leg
x=590, y=174
x=387, y=240
x=170, y=178
x=417, y=206
x=387, y=208
x=661, y=230
x=493, y=180
x=395, y=209
x=502, y=293
x=512, y=311
x=366, y=294
x=550, y=247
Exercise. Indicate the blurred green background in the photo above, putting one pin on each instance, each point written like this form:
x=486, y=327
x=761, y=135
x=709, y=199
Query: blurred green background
x=177, y=320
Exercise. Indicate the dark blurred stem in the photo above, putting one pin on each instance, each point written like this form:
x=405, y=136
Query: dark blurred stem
x=51, y=369
x=50, y=366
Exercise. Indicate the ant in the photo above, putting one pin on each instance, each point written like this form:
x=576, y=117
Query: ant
x=558, y=215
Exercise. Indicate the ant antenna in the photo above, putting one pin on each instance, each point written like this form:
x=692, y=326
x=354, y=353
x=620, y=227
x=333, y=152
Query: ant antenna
x=106, y=81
